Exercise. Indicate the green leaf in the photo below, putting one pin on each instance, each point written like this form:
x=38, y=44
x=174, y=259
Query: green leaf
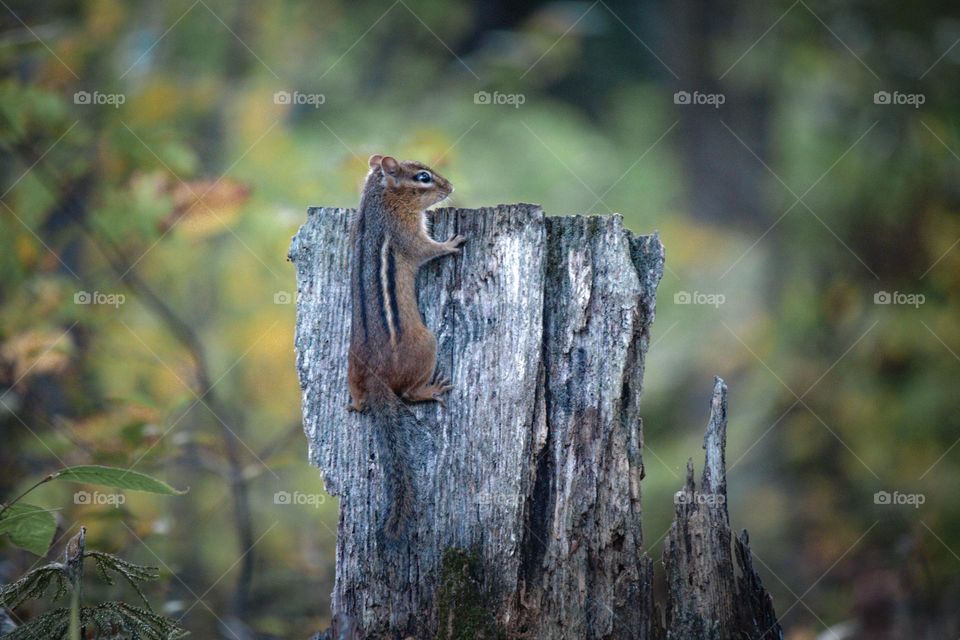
x=116, y=478
x=29, y=527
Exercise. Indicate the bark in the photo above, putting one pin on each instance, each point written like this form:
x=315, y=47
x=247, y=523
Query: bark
x=528, y=521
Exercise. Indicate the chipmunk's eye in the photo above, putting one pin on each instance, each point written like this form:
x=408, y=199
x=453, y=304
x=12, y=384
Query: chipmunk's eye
x=424, y=177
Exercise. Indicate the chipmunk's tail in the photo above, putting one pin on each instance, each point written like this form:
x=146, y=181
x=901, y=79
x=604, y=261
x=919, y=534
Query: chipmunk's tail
x=394, y=426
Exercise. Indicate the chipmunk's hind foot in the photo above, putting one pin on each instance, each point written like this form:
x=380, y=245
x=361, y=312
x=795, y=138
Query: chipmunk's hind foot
x=430, y=392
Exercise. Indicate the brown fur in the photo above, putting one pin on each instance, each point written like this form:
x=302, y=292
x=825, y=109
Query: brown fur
x=392, y=353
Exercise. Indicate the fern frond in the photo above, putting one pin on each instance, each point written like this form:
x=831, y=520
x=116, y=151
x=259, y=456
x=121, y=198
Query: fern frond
x=114, y=620
x=48, y=626
x=131, y=622
x=129, y=571
x=33, y=585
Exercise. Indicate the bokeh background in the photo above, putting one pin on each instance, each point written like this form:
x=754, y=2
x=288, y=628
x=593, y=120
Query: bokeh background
x=158, y=156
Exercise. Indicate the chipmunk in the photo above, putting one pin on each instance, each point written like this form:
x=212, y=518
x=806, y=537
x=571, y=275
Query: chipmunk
x=393, y=355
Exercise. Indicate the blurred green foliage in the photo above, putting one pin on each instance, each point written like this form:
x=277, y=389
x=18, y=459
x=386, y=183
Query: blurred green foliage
x=797, y=201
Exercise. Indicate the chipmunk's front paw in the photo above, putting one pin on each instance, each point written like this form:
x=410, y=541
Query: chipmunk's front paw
x=454, y=243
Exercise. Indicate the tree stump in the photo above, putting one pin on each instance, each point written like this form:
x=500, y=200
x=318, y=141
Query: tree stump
x=528, y=520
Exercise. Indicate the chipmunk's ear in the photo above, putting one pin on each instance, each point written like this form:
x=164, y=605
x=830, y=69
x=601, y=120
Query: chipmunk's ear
x=391, y=170
x=374, y=161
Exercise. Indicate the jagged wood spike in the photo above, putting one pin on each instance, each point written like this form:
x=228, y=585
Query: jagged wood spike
x=705, y=597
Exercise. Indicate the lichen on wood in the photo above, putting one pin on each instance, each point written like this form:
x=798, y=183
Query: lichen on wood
x=463, y=608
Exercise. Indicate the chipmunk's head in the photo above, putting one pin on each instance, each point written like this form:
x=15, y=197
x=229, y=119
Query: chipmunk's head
x=410, y=183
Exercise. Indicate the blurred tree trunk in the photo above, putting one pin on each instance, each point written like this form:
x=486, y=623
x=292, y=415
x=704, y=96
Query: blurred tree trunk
x=724, y=177
x=528, y=522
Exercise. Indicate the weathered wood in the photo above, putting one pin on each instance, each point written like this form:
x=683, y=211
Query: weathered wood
x=528, y=521
x=704, y=597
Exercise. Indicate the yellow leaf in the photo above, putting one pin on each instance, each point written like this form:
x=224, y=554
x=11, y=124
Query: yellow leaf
x=204, y=207
x=36, y=352
x=26, y=249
